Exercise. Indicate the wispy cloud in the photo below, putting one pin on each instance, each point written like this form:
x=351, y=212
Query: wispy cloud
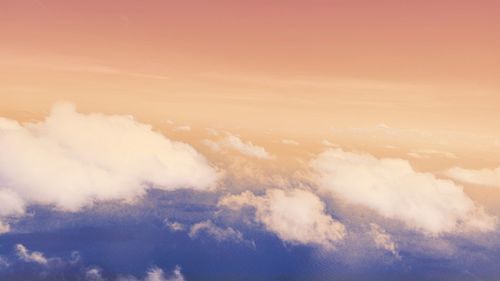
x=235, y=143
x=486, y=177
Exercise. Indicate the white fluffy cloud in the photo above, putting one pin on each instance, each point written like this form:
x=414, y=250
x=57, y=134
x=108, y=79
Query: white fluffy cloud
x=24, y=254
x=71, y=160
x=233, y=142
x=487, y=177
x=395, y=190
x=295, y=216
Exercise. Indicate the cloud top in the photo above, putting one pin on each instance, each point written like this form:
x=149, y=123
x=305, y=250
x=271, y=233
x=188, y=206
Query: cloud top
x=392, y=188
x=70, y=160
x=296, y=216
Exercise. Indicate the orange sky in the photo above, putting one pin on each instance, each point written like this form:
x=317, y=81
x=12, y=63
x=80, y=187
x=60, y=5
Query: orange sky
x=296, y=66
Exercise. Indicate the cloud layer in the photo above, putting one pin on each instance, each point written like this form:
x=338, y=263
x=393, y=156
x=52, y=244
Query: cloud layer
x=295, y=216
x=395, y=190
x=487, y=177
x=71, y=160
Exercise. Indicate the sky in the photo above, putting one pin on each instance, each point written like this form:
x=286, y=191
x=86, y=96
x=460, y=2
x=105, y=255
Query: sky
x=163, y=140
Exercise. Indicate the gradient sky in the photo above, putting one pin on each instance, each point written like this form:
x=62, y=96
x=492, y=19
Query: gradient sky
x=249, y=140
x=411, y=64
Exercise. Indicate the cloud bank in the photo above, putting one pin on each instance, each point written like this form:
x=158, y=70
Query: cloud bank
x=392, y=188
x=486, y=177
x=71, y=160
x=295, y=216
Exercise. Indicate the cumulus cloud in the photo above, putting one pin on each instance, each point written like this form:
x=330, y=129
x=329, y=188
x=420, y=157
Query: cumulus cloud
x=71, y=160
x=235, y=143
x=383, y=240
x=217, y=232
x=296, y=216
x=395, y=190
x=487, y=177
x=28, y=256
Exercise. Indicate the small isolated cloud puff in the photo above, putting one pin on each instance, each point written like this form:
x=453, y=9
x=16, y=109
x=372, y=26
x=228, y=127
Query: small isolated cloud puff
x=235, y=143
x=295, y=216
x=94, y=274
x=185, y=128
x=3, y=262
x=71, y=160
x=24, y=254
x=157, y=274
x=289, y=142
x=174, y=226
x=154, y=274
x=396, y=191
x=486, y=177
x=218, y=233
x=383, y=240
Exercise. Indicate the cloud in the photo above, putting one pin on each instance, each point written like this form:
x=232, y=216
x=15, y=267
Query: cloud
x=393, y=189
x=383, y=240
x=157, y=274
x=233, y=142
x=289, y=142
x=3, y=262
x=182, y=128
x=487, y=177
x=295, y=216
x=70, y=160
x=428, y=153
x=94, y=274
x=10, y=205
x=328, y=143
x=212, y=131
x=35, y=257
x=218, y=233
x=174, y=226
